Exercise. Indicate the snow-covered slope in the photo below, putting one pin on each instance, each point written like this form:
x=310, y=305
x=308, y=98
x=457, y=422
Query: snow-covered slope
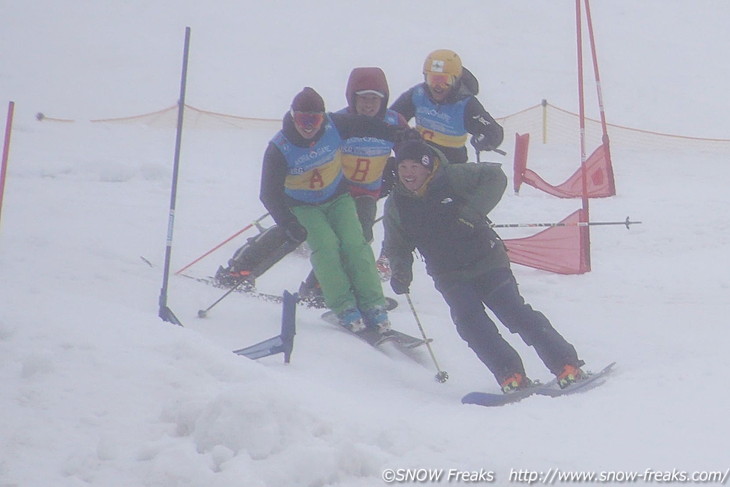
x=97, y=390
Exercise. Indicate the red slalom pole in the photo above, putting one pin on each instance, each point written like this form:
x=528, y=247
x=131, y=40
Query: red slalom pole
x=599, y=90
x=6, y=152
x=585, y=234
x=253, y=223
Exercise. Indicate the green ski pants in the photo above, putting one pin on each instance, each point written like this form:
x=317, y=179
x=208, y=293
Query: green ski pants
x=342, y=260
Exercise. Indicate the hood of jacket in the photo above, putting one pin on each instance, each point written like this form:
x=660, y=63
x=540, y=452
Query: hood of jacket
x=367, y=79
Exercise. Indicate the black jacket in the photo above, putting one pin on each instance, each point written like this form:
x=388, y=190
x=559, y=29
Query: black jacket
x=447, y=223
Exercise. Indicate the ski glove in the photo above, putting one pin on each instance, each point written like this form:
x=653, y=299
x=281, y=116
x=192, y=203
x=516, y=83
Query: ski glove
x=480, y=143
x=390, y=176
x=401, y=276
x=295, y=231
x=402, y=134
x=398, y=286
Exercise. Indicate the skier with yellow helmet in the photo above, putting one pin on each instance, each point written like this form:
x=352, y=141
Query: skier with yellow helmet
x=446, y=108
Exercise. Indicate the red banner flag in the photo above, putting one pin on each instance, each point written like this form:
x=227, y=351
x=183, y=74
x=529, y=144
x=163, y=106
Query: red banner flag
x=560, y=249
x=599, y=182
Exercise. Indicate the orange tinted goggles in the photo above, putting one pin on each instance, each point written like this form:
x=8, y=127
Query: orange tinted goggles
x=308, y=119
x=439, y=80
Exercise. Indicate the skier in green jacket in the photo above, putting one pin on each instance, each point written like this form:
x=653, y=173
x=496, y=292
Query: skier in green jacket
x=441, y=210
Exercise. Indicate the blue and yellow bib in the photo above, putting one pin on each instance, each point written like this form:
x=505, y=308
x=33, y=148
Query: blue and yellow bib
x=441, y=124
x=313, y=173
x=364, y=159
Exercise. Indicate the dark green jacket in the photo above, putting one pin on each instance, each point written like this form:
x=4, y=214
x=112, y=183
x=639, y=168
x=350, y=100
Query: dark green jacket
x=447, y=224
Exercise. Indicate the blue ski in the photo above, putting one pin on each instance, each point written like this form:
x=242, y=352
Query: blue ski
x=490, y=399
x=549, y=389
x=592, y=381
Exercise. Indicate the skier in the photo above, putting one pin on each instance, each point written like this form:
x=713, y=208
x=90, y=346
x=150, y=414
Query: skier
x=446, y=108
x=364, y=158
x=440, y=209
x=304, y=190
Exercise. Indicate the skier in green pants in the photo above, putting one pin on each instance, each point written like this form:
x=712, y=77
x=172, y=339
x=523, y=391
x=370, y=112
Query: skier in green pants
x=342, y=257
x=303, y=187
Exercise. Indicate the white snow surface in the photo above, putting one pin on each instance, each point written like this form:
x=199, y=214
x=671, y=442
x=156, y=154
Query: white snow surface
x=98, y=391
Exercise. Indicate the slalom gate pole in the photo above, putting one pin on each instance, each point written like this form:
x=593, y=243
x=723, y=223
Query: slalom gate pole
x=626, y=223
x=599, y=90
x=252, y=224
x=6, y=152
x=166, y=313
x=442, y=375
x=585, y=231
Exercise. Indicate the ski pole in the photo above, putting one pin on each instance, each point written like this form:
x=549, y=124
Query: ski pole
x=626, y=223
x=498, y=151
x=253, y=223
x=442, y=376
x=202, y=313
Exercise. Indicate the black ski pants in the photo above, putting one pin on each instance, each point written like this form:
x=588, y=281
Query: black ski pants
x=498, y=291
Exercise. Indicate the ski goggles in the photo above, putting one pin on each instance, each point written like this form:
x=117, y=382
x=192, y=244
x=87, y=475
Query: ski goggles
x=308, y=119
x=439, y=80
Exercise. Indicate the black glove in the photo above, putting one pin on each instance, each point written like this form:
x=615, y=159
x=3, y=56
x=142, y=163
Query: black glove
x=402, y=134
x=295, y=231
x=399, y=287
x=390, y=176
x=480, y=143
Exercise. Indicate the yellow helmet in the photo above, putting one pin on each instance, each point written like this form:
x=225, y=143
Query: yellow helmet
x=443, y=61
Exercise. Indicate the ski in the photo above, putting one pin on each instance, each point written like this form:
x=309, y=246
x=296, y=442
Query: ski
x=401, y=340
x=491, y=399
x=407, y=341
x=316, y=303
x=592, y=381
x=549, y=389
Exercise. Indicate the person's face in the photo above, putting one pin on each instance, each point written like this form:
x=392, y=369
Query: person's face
x=412, y=174
x=368, y=104
x=308, y=124
x=439, y=85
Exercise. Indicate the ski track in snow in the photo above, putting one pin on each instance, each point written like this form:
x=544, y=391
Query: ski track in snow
x=98, y=391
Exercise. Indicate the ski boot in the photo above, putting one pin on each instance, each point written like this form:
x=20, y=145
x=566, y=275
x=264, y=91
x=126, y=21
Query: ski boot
x=570, y=375
x=377, y=319
x=228, y=277
x=352, y=320
x=514, y=383
x=311, y=292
